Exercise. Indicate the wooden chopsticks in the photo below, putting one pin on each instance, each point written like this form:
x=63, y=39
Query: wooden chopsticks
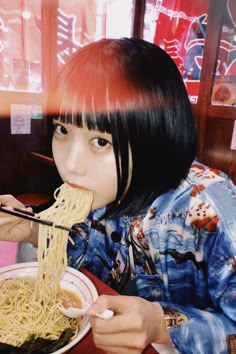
x=32, y=217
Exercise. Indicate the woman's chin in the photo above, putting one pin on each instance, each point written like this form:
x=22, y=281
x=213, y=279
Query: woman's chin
x=99, y=204
x=96, y=206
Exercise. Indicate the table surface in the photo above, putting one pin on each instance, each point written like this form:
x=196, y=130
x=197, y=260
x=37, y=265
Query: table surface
x=86, y=345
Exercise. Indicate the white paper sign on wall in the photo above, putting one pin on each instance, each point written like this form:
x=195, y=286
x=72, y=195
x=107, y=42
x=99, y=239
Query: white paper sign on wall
x=20, y=119
x=233, y=141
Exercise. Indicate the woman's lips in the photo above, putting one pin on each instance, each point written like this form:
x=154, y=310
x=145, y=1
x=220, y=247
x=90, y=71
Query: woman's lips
x=74, y=185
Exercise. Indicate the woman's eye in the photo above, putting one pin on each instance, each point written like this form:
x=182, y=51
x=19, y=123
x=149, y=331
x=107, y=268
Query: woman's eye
x=60, y=129
x=101, y=143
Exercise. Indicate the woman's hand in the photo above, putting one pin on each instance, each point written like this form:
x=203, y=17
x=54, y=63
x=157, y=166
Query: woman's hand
x=136, y=324
x=13, y=228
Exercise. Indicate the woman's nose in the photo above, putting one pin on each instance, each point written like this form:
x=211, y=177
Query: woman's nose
x=76, y=159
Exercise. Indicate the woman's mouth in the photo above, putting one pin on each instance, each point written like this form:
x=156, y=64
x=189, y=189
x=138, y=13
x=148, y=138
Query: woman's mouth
x=75, y=185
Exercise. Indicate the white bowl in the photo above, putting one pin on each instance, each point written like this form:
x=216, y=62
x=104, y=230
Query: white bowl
x=73, y=276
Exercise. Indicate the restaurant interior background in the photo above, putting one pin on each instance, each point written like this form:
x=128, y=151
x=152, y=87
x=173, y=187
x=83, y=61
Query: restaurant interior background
x=38, y=36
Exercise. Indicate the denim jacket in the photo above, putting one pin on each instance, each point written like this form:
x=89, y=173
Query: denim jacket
x=180, y=251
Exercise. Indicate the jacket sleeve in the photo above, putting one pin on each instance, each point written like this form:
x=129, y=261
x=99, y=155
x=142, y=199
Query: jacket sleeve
x=194, y=330
x=199, y=331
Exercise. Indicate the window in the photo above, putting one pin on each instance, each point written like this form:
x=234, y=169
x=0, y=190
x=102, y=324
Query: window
x=179, y=27
x=20, y=45
x=224, y=87
x=81, y=22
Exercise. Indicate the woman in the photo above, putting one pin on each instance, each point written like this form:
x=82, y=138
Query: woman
x=162, y=228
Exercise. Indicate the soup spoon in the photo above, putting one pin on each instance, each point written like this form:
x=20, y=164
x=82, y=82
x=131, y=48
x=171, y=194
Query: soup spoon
x=74, y=312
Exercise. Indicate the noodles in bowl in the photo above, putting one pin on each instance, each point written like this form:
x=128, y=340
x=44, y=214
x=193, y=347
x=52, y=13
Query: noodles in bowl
x=78, y=279
x=28, y=305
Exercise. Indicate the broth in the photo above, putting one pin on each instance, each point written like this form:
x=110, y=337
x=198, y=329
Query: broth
x=68, y=298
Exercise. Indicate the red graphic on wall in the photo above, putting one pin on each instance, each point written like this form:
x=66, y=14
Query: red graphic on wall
x=181, y=30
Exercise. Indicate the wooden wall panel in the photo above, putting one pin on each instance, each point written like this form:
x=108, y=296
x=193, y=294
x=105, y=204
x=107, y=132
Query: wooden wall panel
x=217, y=152
x=19, y=172
x=13, y=156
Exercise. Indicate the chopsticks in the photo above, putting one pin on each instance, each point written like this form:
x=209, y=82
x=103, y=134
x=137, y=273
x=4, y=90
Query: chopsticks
x=32, y=217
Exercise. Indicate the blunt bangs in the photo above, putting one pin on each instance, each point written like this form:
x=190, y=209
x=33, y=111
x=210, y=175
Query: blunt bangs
x=133, y=90
x=99, y=121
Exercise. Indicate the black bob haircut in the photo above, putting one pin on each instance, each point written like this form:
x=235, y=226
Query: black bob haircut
x=133, y=90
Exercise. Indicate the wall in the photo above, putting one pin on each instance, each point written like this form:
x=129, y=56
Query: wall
x=19, y=172
x=217, y=152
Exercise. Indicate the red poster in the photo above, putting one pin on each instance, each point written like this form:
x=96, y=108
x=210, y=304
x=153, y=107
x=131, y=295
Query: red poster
x=180, y=29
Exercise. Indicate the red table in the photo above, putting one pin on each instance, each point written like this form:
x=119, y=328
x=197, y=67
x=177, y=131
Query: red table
x=86, y=345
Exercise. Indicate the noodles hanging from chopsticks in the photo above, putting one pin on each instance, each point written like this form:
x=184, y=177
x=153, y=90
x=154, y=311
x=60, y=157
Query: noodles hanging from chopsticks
x=71, y=206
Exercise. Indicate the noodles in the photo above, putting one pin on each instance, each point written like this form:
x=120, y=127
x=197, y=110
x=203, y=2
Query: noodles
x=20, y=316
x=71, y=206
x=27, y=305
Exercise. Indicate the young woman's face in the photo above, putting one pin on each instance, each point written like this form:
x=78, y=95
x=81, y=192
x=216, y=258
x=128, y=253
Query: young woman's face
x=85, y=158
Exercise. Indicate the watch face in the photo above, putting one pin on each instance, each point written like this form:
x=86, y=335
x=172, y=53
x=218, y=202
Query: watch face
x=173, y=317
